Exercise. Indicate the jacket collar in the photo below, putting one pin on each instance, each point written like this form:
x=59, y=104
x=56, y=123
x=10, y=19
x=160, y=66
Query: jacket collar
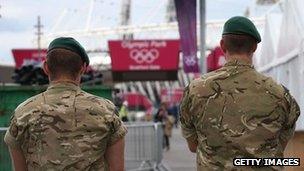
x=65, y=85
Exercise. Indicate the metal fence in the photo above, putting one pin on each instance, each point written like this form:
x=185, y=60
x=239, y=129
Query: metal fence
x=144, y=147
x=5, y=162
x=144, y=143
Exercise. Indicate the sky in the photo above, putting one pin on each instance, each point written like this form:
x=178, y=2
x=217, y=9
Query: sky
x=18, y=17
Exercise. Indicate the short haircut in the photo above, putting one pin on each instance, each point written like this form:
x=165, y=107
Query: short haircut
x=239, y=44
x=63, y=62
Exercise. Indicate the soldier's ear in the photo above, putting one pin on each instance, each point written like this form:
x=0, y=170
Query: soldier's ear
x=223, y=46
x=83, y=68
x=255, y=48
x=46, y=68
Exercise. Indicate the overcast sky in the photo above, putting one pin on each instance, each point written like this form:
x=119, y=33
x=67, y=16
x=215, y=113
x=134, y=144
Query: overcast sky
x=19, y=16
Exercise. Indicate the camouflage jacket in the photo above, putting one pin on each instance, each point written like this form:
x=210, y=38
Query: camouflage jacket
x=236, y=112
x=65, y=128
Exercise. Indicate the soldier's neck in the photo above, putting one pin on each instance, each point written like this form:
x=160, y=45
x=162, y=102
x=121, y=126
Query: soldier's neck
x=245, y=58
x=65, y=80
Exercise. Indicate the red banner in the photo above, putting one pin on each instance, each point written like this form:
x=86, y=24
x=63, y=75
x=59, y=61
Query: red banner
x=216, y=59
x=151, y=55
x=171, y=95
x=23, y=56
x=136, y=99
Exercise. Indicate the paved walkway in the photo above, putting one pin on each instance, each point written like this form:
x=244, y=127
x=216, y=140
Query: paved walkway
x=179, y=158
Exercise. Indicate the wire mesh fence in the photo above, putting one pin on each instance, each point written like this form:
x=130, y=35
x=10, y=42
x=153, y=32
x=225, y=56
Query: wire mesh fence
x=144, y=147
x=5, y=162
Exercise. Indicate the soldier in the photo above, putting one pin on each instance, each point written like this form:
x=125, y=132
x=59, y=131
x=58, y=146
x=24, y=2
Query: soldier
x=65, y=128
x=236, y=112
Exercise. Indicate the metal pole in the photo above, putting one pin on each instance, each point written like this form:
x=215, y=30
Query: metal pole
x=125, y=17
x=202, y=10
x=39, y=33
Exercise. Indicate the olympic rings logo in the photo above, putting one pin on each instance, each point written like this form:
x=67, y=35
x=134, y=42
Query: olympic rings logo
x=144, y=55
x=190, y=60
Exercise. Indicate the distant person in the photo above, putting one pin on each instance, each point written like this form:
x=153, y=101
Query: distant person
x=169, y=123
x=163, y=117
x=173, y=110
x=161, y=113
x=123, y=112
x=117, y=98
x=236, y=111
x=65, y=128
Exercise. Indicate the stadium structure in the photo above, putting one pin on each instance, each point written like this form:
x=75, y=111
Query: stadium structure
x=157, y=21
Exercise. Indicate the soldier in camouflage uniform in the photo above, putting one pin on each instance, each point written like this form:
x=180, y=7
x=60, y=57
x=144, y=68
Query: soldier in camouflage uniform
x=65, y=128
x=236, y=112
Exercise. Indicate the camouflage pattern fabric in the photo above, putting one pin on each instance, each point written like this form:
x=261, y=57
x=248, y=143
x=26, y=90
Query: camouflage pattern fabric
x=65, y=128
x=236, y=112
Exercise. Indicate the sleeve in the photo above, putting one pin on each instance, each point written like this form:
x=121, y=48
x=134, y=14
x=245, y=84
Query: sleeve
x=186, y=119
x=117, y=129
x=291, y=118
x=14, y=135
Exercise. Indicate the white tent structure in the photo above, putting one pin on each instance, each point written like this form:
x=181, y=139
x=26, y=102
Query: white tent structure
x=270, y=38
x=282, y=51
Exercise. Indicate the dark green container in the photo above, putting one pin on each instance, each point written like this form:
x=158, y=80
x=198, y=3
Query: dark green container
x=12, y=96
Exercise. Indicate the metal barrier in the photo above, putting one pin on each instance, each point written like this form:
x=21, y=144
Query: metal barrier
x=144, y=146
x=5, y=159
x=143, y=149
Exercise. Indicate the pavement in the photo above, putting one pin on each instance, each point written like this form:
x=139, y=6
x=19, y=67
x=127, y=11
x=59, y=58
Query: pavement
x=294, y=149
x=179, y=158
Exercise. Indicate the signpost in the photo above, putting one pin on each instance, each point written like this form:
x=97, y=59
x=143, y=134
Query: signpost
x=141, y=60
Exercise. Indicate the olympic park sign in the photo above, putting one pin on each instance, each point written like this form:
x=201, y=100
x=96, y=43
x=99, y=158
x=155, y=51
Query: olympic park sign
x=136, y=60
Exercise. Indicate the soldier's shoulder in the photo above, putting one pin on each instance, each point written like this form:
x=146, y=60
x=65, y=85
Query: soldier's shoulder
x=29, y=104
x=93, y=98
x=270, y=84
x=92, y=101
x=206, y=81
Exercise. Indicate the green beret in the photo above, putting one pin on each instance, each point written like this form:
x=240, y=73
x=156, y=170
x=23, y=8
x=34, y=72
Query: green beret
x=241, y=25
x=71, y=44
